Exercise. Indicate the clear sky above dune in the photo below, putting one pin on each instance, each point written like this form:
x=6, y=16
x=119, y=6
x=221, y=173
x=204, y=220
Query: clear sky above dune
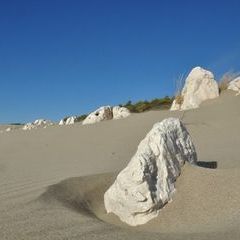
x=61, y=58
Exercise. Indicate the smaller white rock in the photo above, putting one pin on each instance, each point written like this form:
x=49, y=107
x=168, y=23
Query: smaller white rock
x=37, y=123
x=101, y=114
x=40, y=122
x=28, y=126
x=68, y=121
x=8, y=129
x=234, y=85
x=71, y=120
x=61, y=122
x=120, y=112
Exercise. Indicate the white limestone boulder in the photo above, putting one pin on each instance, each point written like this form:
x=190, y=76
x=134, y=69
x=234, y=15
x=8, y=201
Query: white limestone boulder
x=38, y=123
x=71, y=120
x=68, y=121
x=101, y=114
x=147, y=183
x=120, y=112
x=199, y=86
x=41, y=122
x=234, y=85
x=8, y=129
x=62, y=122
x=29, y=126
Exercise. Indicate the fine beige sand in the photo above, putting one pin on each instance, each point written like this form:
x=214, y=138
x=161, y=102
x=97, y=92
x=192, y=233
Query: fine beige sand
x=52, y=180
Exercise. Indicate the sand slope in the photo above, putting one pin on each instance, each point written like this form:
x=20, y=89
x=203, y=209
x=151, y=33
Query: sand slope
x=52, y=180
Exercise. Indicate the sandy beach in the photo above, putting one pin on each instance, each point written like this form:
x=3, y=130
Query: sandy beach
x=52, y=180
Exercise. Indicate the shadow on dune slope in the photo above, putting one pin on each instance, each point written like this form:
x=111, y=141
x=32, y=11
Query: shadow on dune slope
x=212, y=165
x=85, y=194
x=195, y=207
x=81, y=194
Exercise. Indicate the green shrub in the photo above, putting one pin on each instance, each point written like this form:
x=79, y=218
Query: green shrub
x=81, y=117
x=142, y=106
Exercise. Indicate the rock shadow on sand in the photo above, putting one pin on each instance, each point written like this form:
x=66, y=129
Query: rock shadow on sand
x=81, y=194
x=211, y=165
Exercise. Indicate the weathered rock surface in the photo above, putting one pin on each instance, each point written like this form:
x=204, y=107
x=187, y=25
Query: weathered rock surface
x=199, y=86
x=147, y=183
x=101, y=114
x=235, y=85
x=120, y=112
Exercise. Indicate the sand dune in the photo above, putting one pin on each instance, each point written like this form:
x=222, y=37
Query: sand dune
x=52, y=180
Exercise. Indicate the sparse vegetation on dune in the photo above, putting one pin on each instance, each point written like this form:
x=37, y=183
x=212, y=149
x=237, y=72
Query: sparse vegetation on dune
x=179, y=83
x=142, y=106
x=78, y=118
x=81, y=118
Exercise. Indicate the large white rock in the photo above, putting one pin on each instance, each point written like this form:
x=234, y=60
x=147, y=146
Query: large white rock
x=120, y=112
x=147, y=183
x=101, y=114
x=235, y=85
x=199, y=86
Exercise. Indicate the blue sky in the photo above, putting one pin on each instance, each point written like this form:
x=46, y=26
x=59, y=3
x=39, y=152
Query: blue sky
x=61, y=58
